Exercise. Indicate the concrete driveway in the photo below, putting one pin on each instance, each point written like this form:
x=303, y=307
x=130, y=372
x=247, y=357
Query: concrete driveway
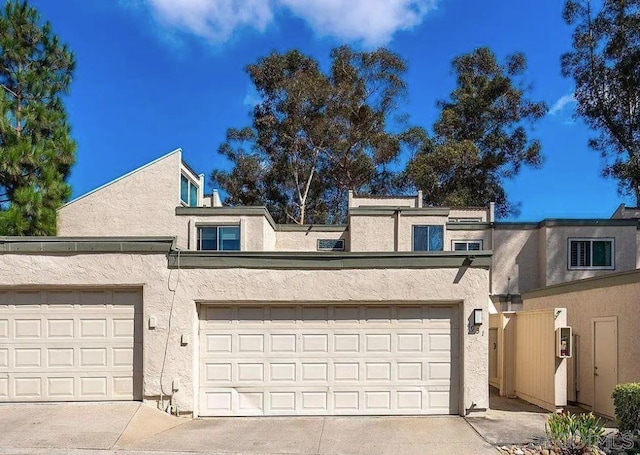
x=86, y=429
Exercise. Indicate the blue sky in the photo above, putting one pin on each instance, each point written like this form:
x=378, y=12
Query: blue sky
x=155, y=75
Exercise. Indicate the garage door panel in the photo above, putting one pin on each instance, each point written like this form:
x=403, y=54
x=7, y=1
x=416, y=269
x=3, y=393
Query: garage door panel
x=362, y=359
x=73, y=346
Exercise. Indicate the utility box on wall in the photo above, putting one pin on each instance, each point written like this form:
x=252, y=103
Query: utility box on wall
x=564, y=343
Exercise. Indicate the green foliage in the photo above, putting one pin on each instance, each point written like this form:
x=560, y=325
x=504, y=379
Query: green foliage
x=480, y=138
x=605, y=65
x=626, y=400
x=36, y=151
x=574, y=433
x=315, y=134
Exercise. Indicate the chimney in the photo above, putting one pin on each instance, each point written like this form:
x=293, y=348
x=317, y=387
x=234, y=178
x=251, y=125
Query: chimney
x=215, y=199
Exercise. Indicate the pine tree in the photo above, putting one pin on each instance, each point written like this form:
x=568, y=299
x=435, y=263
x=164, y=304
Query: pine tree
x=36, y=150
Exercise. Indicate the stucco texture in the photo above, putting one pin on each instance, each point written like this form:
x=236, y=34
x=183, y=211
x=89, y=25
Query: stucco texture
x=621, y=301
x=182, y=289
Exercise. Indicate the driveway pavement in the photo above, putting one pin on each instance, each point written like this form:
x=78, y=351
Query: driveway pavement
x=133, y=428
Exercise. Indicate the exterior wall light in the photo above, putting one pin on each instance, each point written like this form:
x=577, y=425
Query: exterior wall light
x=477, y=316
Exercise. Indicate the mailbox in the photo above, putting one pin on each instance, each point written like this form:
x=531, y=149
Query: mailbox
x=564, y=342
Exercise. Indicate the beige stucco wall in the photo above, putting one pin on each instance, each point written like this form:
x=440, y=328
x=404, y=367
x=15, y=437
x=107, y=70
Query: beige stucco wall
x=253, y=285
x=307, y=240
x=372, y=201
x=638, y=248
x=556, y=262
x=481, y=234
x=372, y=233
x=622, y=301
x=515, y=255
x=481, y=213
x=142, y=203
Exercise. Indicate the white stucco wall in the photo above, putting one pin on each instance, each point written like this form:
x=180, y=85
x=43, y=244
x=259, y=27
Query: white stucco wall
x=307, y=240
x=372, y=233
x=142, y=203
x=150, y=272
x=621, y=301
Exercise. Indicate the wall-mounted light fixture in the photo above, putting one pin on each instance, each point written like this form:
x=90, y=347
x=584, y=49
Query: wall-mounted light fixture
x=477, y=316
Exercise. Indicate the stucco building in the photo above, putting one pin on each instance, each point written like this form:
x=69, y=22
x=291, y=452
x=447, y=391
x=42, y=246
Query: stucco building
x=154, y=291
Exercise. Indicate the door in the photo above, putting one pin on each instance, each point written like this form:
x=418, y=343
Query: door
x=328, y=360
x=493, y=356
x=605, y=364
x=70, y=345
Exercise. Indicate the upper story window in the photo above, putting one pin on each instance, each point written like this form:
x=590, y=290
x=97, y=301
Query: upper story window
x=428, y=238
x=591, y=254
x=188, y=191
x=219, y=238
x=467, y=245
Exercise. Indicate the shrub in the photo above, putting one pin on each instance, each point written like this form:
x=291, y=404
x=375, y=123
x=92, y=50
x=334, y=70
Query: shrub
x=626, y=400
x=574, y=433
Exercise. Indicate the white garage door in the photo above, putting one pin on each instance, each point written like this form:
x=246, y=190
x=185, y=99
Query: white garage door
x=328, y=360
x=70, y=345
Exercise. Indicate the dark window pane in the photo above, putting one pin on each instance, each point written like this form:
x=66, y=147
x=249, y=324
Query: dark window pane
x=229, y=238
x=193, y=195
x=460, y=246
x=208, y=238
x=420, y=238
x=184, y=189
x=474, y=246
x=436, y=238
x=602, y=254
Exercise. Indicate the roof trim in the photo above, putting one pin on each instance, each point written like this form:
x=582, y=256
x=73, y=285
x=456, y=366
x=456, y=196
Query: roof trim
x=178, y=150
x=386, y=211
x=258, y=210
x=22, y=245
x=326, y=260
x=560, y=222
x=586, y=284
x=312, y=227
x=468, y=226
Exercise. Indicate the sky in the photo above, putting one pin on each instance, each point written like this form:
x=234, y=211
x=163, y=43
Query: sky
x=156, y=75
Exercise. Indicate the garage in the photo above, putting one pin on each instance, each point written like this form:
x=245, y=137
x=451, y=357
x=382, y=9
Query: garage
x=366, y=359
x=70, y=345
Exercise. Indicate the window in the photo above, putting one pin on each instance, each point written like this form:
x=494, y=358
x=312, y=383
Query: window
x=428, y=238
x=188, y=191
x=467, y=245
x=219, y=238
x=591, y=254
x=330, y=245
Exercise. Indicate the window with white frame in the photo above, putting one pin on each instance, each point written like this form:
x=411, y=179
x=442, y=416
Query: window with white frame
x=466, y=245
x=188, y=191
x=428, y=238
x=219, y=238
x=465, y=220
x=587, y=253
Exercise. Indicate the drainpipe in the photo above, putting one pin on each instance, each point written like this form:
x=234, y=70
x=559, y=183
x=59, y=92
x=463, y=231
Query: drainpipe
x=492, y=212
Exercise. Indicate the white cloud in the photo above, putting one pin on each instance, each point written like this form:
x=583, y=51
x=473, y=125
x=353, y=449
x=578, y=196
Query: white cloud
x=215, y=20
x=561, y=103
x=373, y=22
x=370, y=22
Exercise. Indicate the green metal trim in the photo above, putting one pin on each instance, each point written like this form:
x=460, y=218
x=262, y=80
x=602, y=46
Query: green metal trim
x=468, y=226
x=515, y=226
x=228, y=211
x=10, y=245
x=599, y=282
x=387, y=211
x=326, y=260
x=559, y=222
x=312, y=227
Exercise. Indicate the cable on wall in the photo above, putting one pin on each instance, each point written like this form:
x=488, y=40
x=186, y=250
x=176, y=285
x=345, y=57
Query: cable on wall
x=166, y=344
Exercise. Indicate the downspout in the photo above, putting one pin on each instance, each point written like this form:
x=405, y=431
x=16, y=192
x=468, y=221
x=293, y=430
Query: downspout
x=492, y=224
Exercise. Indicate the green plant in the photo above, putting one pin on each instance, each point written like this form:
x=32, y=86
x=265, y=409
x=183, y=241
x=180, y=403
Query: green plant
x=574, y=433
x=626, y=400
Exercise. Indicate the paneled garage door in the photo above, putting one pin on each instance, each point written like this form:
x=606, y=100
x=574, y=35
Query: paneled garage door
x=70, y=345
x=328, y=360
